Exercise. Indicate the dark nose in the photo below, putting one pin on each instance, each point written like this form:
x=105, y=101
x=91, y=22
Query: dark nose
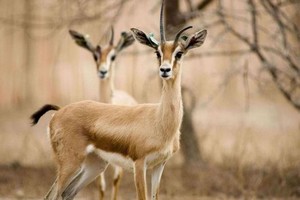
x=103, y=72
x=165, y=70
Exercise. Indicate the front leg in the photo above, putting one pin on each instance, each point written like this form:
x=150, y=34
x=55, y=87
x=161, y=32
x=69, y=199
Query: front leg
x=102, y=186
x=155, y=180
x=140, y=179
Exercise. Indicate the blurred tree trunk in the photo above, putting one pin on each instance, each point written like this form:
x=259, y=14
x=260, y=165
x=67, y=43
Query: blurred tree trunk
x=29, y=54
x=189, y=140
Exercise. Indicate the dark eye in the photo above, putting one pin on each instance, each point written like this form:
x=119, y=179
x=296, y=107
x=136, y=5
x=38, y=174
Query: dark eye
x=95, y=57
x=178, y=55
x=113, y=57
x=157, y=54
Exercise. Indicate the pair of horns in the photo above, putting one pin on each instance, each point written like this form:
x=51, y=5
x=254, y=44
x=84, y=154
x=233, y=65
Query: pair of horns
x=162, y=26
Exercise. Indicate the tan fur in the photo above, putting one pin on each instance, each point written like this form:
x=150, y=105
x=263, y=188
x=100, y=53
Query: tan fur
x=140, y=174
x=108, y=94
x=103, y=55
x=148, y=134
x=167, y=51
x=88, y=134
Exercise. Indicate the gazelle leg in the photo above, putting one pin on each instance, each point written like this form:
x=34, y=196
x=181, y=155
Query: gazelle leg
x=155, y=180
x=64, y=177
x=91, y=168
x=102, y=186
x=117, y=179
x=53, y=192
x=140, y=179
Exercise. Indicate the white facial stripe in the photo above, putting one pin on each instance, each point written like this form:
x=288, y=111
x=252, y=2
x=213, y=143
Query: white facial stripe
x=178, y=49
x=106, y=66
x=160, y=53
x=173, y=56
x=108, y=58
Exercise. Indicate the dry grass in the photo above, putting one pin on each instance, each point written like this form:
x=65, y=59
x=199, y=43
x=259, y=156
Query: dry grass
x=211, y=182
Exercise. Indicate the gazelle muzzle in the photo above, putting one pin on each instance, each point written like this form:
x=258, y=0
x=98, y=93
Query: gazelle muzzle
x=102, y=74
x=165, y=71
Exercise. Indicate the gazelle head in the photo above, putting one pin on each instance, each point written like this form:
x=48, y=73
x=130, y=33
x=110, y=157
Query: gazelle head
x=170, y=53
x=104, y=57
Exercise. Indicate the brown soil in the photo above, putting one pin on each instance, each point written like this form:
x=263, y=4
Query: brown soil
x=17, y=182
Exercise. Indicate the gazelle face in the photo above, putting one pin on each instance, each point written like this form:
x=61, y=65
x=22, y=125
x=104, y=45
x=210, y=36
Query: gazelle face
x=169, y=56
x=105, y=61
x=104, y=58
x=170, y=53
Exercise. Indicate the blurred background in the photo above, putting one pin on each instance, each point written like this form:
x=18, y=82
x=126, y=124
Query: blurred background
x=241, y=89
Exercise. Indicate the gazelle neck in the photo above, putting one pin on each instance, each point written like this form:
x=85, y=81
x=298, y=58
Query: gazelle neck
x=107, y=87
x=171, y=110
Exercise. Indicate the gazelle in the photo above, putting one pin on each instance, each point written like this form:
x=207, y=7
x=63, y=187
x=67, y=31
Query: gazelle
x=105, y=60
x=87, y=135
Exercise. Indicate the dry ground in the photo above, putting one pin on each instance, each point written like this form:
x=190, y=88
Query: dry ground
x=211, y=182
x=242, y=162
x=18, y=182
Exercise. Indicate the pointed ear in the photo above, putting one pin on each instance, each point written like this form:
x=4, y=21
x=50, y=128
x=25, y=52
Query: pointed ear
x=195, y=40
x=144, y=39
x=82, y=40
x=126, y=40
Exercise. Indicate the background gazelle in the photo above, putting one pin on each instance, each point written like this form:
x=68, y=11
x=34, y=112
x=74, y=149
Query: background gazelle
x=105, y=59
x=87, y=135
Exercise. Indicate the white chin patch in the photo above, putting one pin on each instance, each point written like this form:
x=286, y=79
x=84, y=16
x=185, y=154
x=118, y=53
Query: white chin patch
x=101, y=76
x=165, y=76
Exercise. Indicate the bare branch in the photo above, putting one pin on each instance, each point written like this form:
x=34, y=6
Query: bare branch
x=253, y=23
x=219, y=53
x=256, y=48
x=246, y=86
x=204, y=4
x=190, y=5
x=273, y=11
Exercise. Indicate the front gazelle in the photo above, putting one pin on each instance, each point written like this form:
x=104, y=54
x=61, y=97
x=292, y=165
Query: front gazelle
x=87, y=135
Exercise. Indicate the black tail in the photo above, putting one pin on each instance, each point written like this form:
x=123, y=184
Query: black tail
x=38, y=114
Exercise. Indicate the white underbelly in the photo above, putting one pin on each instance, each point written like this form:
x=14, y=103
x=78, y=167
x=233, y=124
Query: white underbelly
x=116, y=159
x=127, y=163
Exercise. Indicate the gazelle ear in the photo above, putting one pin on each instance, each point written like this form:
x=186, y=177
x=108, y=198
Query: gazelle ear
x=195, y=40
x=126, y=40
x=82, y=40
x=144, y=39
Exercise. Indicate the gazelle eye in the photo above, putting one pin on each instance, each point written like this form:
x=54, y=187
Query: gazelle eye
x=178, y=55
x=157, y=54
x=95, y=57
x=113, y=58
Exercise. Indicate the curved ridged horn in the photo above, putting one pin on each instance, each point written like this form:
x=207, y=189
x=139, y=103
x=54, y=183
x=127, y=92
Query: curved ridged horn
x=162, y=23
x=111, y=42
x=179, y=34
